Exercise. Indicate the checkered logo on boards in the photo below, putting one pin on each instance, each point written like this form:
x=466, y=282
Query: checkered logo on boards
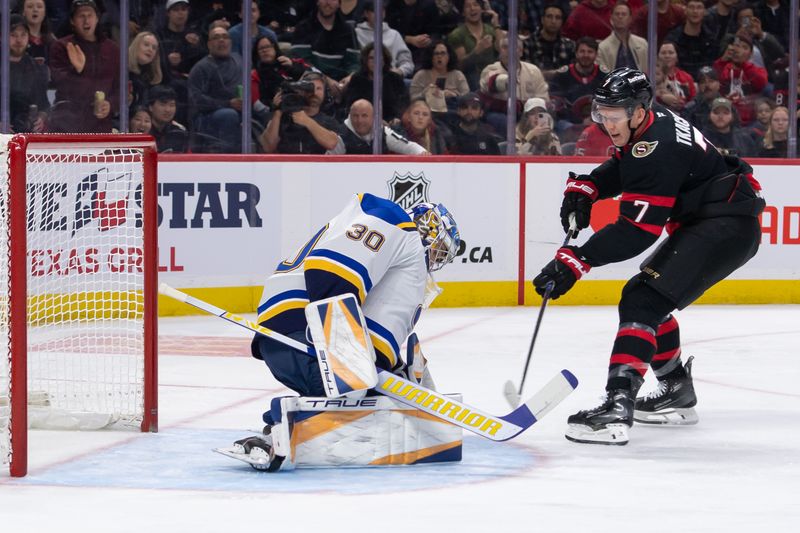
x=408, y=189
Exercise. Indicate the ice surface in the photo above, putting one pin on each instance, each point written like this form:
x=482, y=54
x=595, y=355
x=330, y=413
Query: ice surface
x=737, y=470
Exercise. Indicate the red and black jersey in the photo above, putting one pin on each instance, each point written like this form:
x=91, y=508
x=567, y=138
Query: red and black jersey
x=668, y=173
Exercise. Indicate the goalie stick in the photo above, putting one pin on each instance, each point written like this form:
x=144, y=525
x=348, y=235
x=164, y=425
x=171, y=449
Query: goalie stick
x=496, y=428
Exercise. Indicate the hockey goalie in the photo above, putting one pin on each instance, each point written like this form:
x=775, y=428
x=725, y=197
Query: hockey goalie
x=355, y=291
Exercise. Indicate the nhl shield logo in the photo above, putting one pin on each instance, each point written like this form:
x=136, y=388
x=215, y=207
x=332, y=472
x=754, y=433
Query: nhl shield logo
x=408, y=189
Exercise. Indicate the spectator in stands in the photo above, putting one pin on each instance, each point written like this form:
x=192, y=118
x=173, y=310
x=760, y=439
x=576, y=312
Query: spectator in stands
x=270, y=70
x=763, y=107
x=621, y=48
x=594, y=142
x=180, y=42
x=418, y=126
x=40, y=37
x=535, y=134
x=352, y=11
x=694, y=40
x=469, y=136
x=85, y=73
x=439, y=82
x=670, y=15
x=576, y=81
x=325, y=41
x=740, y=80
x=774, y=17
x=28, y=82
x=449, y=15
x=170, y=135
x=697, y=110
x=724, y=133
x=418, y=23
x=590, y=18
x=547, y=48
x=359, y=86
x=776, y=139
x=766, y=48
x=215, y=93
x=677, y=87
x=401, y=61
x=356, y=136
x=494, y=87
x=297, y=125
x=721, y=18
x=473, y=41
x=144, y=68
x=256, y=30
x=283, y=16
x=140, y=121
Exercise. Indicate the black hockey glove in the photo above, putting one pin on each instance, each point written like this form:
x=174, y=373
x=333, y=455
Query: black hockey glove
x=580, y=194
x=563, y=272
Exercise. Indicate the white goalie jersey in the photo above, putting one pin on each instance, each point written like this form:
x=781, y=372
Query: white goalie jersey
x=371, y=249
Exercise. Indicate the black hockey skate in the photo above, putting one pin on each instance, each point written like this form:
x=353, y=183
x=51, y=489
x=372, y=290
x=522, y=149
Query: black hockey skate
x=257, y=451
x=672, y=403
x=607, y=423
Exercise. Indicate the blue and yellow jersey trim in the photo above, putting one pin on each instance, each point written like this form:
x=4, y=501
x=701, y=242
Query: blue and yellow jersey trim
x=342, y=266
x=386, y=347
x=386, y=210
x=281, y=302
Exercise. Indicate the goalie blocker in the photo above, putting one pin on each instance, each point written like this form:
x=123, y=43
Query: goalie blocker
x=371, y=431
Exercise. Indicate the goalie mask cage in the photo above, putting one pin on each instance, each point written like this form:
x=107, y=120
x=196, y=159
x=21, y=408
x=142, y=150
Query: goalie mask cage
x=78, y=267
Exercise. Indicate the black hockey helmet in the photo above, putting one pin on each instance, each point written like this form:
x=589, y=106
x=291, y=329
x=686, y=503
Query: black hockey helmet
x=624, y=87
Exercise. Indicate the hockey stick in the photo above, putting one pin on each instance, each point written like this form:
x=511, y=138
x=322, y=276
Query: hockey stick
x=496, y=428
x=513, y=396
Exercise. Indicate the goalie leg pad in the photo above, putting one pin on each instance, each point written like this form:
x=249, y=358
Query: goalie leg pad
x=373, y=431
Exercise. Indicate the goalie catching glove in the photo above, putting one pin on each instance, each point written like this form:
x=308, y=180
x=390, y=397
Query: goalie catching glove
x=563, y=271
x=580, y=194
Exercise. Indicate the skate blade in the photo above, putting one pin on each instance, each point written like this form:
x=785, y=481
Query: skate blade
x=612, y=434
x=667, y=417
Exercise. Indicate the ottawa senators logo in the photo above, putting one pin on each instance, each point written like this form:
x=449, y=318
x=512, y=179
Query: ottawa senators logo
x=643, y=148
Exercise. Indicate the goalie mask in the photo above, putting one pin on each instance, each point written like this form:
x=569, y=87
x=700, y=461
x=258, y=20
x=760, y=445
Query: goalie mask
x=439, y=233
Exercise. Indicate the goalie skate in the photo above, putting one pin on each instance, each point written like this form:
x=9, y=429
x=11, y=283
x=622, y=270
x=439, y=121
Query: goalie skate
x=255, y=451
x=671, y=404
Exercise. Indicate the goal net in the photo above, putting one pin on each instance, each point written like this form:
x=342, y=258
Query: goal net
x=78, y=219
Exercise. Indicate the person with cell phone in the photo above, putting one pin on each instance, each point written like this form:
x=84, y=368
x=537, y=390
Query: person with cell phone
x=535, y=135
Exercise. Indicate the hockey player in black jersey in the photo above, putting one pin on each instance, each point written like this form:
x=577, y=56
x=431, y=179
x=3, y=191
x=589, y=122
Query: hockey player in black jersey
x=668, y=175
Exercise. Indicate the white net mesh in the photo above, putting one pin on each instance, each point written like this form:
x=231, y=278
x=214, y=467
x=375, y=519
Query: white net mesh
x=85, y=287
x=85, y=284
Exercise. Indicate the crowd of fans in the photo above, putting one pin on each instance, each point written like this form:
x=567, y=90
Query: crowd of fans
x=722, y=65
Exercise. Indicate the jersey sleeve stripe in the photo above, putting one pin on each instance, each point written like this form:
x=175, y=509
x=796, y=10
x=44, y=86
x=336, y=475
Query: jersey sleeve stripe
x=331, y=267
x=660, y=201
x=279, y=308
x=346, y=262
x=383, y=341
x=294, y=294
x=649, y=228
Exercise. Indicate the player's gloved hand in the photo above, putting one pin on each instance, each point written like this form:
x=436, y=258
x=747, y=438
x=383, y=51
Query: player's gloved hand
x=563, y=271
x=580, y=194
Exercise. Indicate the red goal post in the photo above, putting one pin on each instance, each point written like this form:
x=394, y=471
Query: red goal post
x=78, y=285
